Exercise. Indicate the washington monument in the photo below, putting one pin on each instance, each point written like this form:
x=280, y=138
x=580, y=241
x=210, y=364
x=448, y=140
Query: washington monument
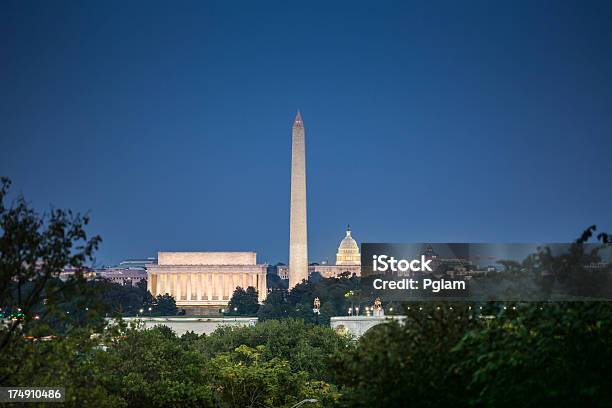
x=298, y=235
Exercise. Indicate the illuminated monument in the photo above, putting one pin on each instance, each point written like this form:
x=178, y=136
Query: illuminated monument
x=348, y=251
x=348, y=260
x=298, y=235
x=203, y=282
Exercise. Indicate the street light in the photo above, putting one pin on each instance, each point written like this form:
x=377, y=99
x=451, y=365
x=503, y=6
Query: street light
x=299, y=404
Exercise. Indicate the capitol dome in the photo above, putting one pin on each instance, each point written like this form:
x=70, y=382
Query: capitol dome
x=348, y=251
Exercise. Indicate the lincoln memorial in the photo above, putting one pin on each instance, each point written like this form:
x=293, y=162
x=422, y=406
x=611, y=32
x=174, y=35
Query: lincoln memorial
x=203, y=282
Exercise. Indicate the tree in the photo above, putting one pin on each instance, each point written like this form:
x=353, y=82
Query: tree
x=34, y=249
x=554, y=353
x=154, y=368
x=306, y=347
x=298, y=303
x=243, y=378
x=407, y=364
x=446, y=354
x=275, y=306
x=243, y=302
x=273, y=281
x=164, y=305
x=123, y=300
x=325, y=313
x=74, y=362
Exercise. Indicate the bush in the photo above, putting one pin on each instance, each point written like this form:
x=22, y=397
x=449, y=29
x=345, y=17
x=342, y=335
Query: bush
x=306, y=347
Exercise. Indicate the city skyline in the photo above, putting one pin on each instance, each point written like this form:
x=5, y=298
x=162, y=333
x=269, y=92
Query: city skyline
x=173, y=129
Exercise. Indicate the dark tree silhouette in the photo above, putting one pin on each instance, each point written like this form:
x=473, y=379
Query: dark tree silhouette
x=243, y=302
x=34, y=249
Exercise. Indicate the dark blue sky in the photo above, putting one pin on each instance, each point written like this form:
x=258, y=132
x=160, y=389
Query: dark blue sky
x=425, y=121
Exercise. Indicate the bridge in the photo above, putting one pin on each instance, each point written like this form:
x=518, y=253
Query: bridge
x=198, y=325
x=355, y=325
x=358, y=325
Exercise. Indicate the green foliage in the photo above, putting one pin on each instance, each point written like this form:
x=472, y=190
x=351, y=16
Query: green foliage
x=243, y=302
x=128, y=300
x=299, y=302
x=34, y=249
x=164, y=305
x=273, y=281
x=406, y=364
x=275, y=306
x=67, y=361
x=153, y=368
x=120, y=300
x=128, y=366
x=535, y=355
x=244, y=378
x=306, y=347
x=557, y=354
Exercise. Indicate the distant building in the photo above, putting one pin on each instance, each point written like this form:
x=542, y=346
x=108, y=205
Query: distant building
x=282, y=271
x=273, y=269
x=127, y=272
x=123, y=276
x=136, y=263
x=333, y=271
x=67, y=273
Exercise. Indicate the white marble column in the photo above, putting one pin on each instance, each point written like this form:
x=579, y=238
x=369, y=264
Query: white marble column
x=189, y=297
x=209, y=286
x=264, y=288
x=227, y=285
x=177, y=286
x=220, y=286
x=166, y=284
x=199, y=286
x=235, y=282
x=259, y=284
